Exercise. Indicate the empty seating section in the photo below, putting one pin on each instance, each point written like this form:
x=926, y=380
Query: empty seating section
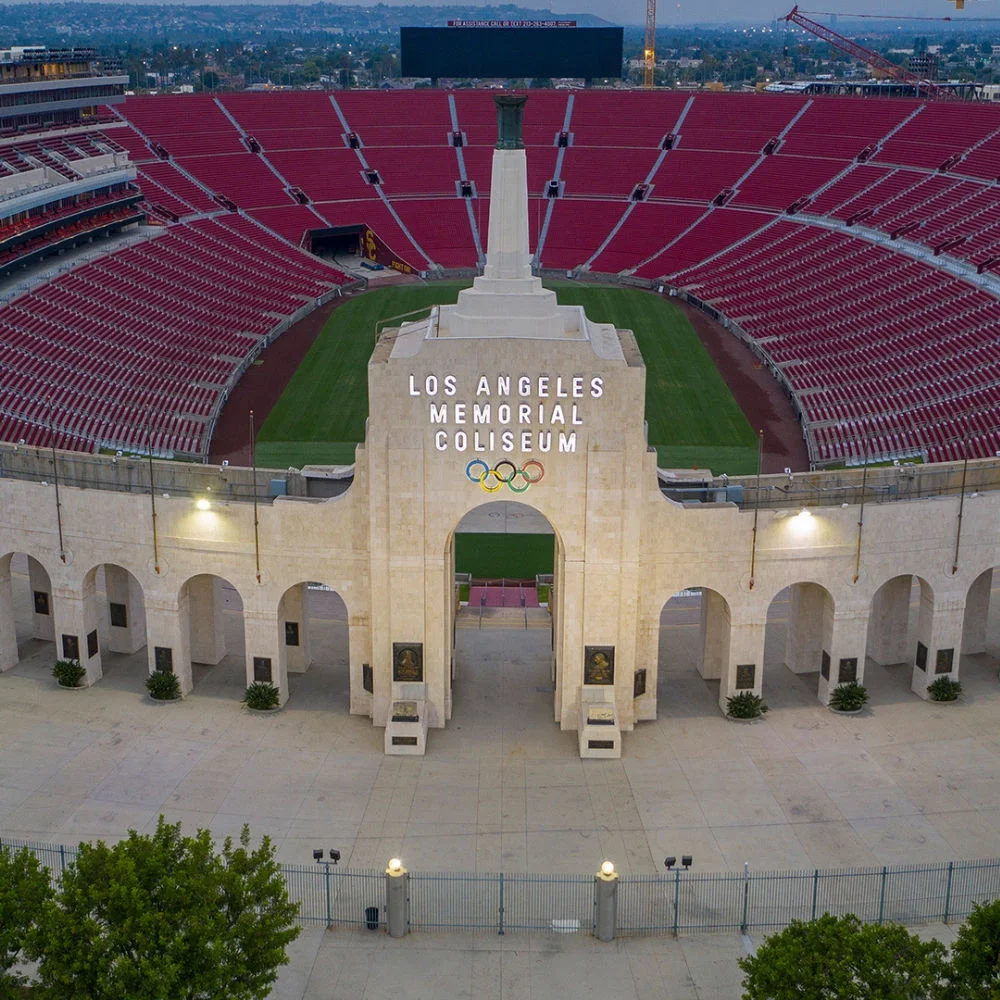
x=148, y=336
x=782, y=179
x=632, y=118
x=842, y=128
x=242, y=177
x=188, y=125
x=577, y=229
x=446, y=235
x=333, y=174
x=605, y=172
x=937, y=132
x=169, y=178
x=291, y=120
x=648, y=228
x=738, y=122
x=289, y=223
x=688, y=175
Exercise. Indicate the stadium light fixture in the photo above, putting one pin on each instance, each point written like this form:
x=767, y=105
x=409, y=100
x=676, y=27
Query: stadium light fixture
x=669, y=862
x=202, y=504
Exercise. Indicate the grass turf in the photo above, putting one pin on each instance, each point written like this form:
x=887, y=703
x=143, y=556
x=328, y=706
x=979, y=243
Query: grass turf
x=693, y=419
x=495, y=554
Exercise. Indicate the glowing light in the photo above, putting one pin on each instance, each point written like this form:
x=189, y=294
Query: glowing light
x=607, y=868
x=203, y=504
x=395, y=866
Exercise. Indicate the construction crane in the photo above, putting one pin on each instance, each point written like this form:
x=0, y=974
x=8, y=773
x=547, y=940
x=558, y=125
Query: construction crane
x=873, y=59
x=649, y=52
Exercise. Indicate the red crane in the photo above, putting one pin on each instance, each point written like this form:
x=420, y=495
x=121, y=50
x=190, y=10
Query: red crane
x=873, y=59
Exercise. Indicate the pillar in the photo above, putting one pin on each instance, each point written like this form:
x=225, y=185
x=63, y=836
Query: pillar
x=264, y=661
x=208, y=626
x=647, y=655
x=939, y=639
x=745, y=669
x=890, y=622
x=605, y=905
x=569, y=645
x=359, y=642
x=844, y=658
x=807, y=631
x=8, y=625
x=76, y=627
x=293, y=634
x=397, y=901
x=126, y=611
x=168, y=638
x=43, y=616
x=977, y=613
x=715, y=629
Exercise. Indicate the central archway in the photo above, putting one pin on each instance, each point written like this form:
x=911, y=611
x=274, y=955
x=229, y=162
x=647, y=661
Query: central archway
x=503, y=565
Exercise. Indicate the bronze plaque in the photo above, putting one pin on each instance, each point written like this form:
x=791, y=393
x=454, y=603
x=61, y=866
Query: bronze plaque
x=824, y=665
x=601, y=715
x=407, y=661
x=848, y=670
x=598, y=664
x=945, y=658
x=262, y=669
x=291, y=633
x=41, y=602
x=745, y=675
x=71, y=647
x=118, y=614
x=405, y=711
x=404, y=741
x=600, y=744
x=163, y=658
x=639, y=683
x=921, y=656
x=367, y=678
x=92, y=643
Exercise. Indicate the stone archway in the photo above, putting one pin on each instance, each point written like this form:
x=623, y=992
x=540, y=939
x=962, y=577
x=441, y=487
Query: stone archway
x=212, y=627
x=119, y=614
x=26, y=606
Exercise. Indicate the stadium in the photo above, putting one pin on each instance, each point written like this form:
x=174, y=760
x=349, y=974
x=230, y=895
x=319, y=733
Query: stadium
x=820, y=269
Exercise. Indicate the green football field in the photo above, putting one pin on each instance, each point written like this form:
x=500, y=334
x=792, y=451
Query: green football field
x=694, y=421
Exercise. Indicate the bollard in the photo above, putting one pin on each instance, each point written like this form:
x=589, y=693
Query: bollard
x=397, y=899
x=606, y=902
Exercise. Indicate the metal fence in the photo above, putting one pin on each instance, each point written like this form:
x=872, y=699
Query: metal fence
x=676, y=902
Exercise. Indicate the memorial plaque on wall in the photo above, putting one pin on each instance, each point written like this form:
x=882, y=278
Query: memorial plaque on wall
x=291, y=633
x=118, y=614
x=367, y=678
x=407, y=661
x=598, y=664
x=92, y=643
x=848, y=672
x=945, y=657
x=163, y=659
x=639, y=683
x=262, y=669
x=41, y=602
x=824, y=665
x=745, y=674
x=71, y=647
x=921, y=656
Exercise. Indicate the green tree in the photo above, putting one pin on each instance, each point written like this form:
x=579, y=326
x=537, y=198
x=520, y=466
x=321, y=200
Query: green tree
x=165, y=916
x=24, y=890
x=975, y=955
x=840, y=958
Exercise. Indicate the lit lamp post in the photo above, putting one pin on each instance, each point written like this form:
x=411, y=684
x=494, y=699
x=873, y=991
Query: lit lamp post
x=606, y=902
x=397, y=899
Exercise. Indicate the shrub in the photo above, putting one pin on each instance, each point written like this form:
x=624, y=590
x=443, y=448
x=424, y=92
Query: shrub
x=68, y=673
x=745, y=705
x=163, y=685
x=261, y=696
x=848, y=697
x=944, y=689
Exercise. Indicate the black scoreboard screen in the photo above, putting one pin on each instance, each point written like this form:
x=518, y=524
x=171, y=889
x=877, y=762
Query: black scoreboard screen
x=511, y=52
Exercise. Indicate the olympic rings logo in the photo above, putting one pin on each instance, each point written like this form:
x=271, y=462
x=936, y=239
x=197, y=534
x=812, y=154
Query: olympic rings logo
x=504, y=473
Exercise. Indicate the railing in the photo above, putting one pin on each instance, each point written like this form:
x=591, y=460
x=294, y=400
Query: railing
x=678, y=901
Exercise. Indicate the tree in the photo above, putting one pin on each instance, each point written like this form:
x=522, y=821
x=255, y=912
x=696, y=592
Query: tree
x=24, y=889
x=840, y=958
x=975, y=955
x=165, y=916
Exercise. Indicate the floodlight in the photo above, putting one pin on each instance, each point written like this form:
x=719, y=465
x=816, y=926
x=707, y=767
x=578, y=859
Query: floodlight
x=686, y=860
x=669, y=862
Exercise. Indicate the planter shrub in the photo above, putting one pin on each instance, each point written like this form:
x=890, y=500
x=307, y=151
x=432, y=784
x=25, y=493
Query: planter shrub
x=745, y=705
x=68, y=673
x=848, y=697
x=944, y=689
x=261, y=696
x=163, y=685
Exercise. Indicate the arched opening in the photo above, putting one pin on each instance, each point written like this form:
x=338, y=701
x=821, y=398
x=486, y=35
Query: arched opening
x=211, y=621
x=313, y=646
x=799, y=638
x=117, y=609
x=900, y=635
x=693, y=653
x=504, y=560
x=981, y=624
x=27, y=614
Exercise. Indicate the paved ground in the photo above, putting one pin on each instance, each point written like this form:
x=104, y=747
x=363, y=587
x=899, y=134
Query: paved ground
x=503, y=789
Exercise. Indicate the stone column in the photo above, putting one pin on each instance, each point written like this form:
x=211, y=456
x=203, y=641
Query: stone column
x=745, y=669
x=126, y=612
x=359, y=641
x=647, y=653
x=264, y=659
x=890, y=621
x=8, y=628
x=977, y=613
x=807, y=631
x=569, y=678
x=939, y=639
x=208, y=627
x=715, y=633
x=38, y=580
x=844, y=658
x=168, y=639
x=293, y=630
x=77, y=624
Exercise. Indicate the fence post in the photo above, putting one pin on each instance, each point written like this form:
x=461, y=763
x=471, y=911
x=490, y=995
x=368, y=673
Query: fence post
x=677, y=897
x=62, y=858
x=329, y=911
x=815, y=888
x=947, y=892
x=746, y=896
x=500, y=931
x=881, y=898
